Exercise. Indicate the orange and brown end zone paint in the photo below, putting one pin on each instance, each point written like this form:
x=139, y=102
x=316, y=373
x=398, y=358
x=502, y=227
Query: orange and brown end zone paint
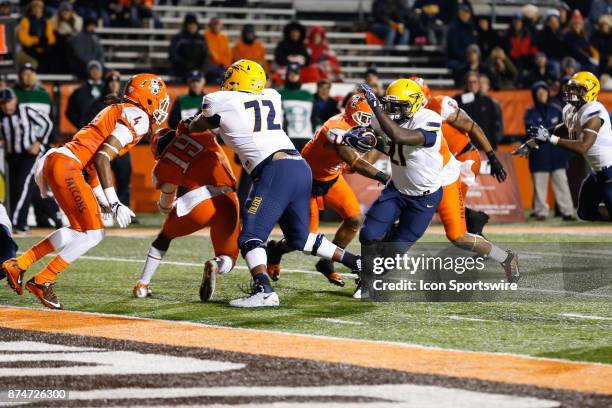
x=504, y=368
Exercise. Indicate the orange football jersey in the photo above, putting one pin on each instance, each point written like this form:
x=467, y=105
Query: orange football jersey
x=125, y=121
x=321, y=154
x=194, y=161
x=444, y=106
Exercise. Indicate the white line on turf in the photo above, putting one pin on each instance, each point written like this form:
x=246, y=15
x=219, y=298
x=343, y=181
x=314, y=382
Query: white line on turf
x=586, y=317
x=471, y=319
x=340, y=321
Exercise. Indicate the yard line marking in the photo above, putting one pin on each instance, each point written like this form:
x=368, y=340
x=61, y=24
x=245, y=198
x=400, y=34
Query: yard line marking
x=586, y=317
x=471, y=319
x=486, y=366
x=340, y=321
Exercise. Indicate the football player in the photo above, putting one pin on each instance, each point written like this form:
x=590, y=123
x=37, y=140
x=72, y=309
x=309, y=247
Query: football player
x=459, y=130
x=115, y=130
x=8, y=247
x=329, y=154
x=249, y=118
x=585, y=130
x=196, y=162
x=413, y=195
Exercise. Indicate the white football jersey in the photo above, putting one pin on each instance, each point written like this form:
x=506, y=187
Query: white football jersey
x=251, y=124
x=600, y=154
x=417, y=170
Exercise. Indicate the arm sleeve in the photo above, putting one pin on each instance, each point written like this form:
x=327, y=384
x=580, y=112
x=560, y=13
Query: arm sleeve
x=23, y=33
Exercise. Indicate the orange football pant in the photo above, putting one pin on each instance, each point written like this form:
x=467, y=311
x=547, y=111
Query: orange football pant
x=340, y=198
x=220, y=213
x=452, y=211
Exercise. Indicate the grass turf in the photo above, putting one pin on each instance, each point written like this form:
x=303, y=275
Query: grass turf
x=309, y=304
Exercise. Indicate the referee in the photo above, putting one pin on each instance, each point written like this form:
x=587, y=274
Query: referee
x=25, y=133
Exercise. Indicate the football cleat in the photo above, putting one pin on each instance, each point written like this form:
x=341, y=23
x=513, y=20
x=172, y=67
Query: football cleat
x=358, y=289
x=142, y=290
x=44, y=293
x=257, y=299
x=511, y=267
x=326, y=267
x=274, y=259
x=209, y=280
x=14, y=275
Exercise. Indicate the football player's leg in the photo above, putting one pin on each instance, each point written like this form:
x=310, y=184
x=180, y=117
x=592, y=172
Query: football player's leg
x=414, y=219
x=8, y=247
x=224, y=230
x=589, y=198
x=606, y=190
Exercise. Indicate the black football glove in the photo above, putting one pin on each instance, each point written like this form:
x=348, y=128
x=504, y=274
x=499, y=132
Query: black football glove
x=370, y=96
x=497, y=169
x=539, y=134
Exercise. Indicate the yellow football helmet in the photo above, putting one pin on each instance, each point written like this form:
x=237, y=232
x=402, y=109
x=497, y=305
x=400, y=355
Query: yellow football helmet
x=583, y=87
x=403, y=98
x=244, y=75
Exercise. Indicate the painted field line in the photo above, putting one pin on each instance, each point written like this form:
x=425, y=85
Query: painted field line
x=586, y=317
x=340, y=321
x=486, y=366
x=470, y=319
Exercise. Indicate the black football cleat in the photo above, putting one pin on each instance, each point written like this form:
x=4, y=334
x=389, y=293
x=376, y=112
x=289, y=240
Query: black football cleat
x=44, y=293
x=326, y=267
x=511, y=267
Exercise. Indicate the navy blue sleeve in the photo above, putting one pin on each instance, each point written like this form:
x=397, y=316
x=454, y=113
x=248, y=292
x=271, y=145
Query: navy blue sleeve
x=430, y=137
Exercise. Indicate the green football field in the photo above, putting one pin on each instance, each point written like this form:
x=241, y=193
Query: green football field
x=577, y=327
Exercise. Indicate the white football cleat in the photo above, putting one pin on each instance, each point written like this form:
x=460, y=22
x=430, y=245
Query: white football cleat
x=209, y=280
x=257, y=299
x=142, y=290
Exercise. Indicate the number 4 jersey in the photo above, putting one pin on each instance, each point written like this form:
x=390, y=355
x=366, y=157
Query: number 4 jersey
x=251, y=124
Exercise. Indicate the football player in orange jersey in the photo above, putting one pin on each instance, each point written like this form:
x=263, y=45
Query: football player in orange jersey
x=329, y=154
x=459, y=129
x=452, y=210
x=196, y=162
x=116, y=129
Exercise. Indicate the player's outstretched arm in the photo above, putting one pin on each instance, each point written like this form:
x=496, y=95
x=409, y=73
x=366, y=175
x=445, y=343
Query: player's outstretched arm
x=462, y=121
x=359, y=165
x=397, y=134
x=201, y=123
x=581, y=145
x=167, y=198
x=105, y=154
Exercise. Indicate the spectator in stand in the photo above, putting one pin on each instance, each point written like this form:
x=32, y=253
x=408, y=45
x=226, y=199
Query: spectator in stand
x=428, y=18
x=388, y=22
x=297, y=108
x=601, y=39
x=141, y=13
x=188, y=50
x=29, y=91
x=577, y=41
x=81, y=99
x=598, y=9
x=324, y=106
x=291, y=49
x=487, y=36
x=502, y=68
x=541, y=72
x=66, y=24
x=550, y=40
x=219, y=51
x=531, y=18
x=460, y=35
x=119, y=14
x=565, y=12
x=481, y=108
x=606, y=77
x=35, y=34
x=569, y=67
x=548, y=160
x=5, y=9
x=188, y=105
x=98, y=10
x=322, y=58
x=519, y=45
x=86, y=47
x=249, y=47
x=473, y=64
x=112, y=87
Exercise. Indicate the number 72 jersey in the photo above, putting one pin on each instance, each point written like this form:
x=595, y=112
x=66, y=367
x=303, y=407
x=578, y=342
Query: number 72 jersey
x=251, y=124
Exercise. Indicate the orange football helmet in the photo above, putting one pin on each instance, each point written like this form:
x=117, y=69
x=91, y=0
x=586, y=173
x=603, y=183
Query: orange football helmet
x=358, y=111
x=160, y=140
x=424, y=88
x=149, y=92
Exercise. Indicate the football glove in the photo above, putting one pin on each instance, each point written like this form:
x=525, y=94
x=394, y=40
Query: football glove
x=123, y=215
x=105, y=207
x=360, y=138
x=539, y=134
x=497, y=169
x=370, y=95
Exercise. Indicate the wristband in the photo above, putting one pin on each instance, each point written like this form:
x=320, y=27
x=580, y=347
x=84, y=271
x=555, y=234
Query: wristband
x=554, y=139
x=381, y=176
x=490, y=153
x=111, y=195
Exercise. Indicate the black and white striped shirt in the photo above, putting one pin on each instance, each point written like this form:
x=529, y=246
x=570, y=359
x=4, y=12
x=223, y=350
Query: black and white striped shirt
x=23, y=128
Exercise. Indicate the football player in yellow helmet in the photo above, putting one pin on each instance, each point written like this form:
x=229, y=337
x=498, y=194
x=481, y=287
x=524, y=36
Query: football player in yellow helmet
x=585, y=130
x=403, y=99
x=244, y=75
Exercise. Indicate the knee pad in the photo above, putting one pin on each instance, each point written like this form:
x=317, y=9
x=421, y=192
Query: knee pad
x=313, y=242
x=161, y=243
x=250, y=245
